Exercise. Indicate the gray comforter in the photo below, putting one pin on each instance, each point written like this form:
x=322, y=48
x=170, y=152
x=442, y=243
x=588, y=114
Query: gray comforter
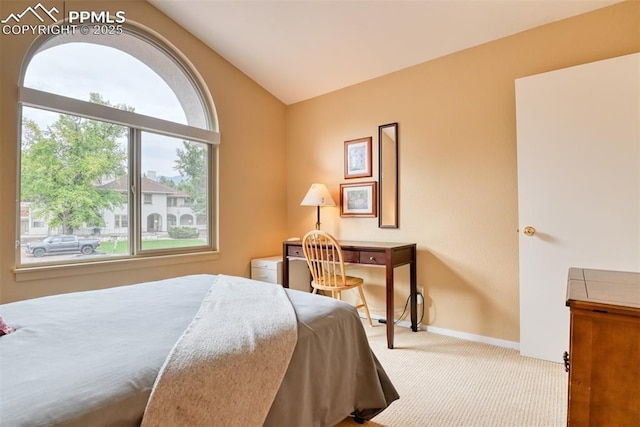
x=90, y=358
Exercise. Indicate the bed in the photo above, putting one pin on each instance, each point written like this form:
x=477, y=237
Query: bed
x=92, y=358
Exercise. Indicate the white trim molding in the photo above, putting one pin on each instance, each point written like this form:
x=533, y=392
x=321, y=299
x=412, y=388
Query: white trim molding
x=458, y=334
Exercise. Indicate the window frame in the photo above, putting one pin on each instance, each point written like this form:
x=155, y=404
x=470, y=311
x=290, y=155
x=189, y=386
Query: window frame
x=137, y=124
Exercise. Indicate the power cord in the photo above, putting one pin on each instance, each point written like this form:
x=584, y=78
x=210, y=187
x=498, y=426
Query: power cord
x=404, y=311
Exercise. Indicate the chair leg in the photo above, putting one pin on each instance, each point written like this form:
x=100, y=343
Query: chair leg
x=366, y=306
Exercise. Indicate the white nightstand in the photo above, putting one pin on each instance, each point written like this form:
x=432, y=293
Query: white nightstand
x=268, y=269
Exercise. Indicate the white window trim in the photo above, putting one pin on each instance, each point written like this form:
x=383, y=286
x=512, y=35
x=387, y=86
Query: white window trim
x=29, y=97
x=137, y=123
x=52, y=271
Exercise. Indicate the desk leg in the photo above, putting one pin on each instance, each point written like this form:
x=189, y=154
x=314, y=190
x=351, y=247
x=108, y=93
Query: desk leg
x=390, y=323
x=413, y=289
x=285, y=268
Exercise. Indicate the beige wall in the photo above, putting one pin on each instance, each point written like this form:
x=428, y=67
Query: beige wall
x=458, y=177
x=251, y=158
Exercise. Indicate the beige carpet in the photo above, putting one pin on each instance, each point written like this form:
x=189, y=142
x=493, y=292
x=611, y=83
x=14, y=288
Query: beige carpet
x=444, y=381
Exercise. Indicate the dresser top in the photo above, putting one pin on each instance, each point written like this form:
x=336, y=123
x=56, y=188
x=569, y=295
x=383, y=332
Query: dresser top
x=614, y=288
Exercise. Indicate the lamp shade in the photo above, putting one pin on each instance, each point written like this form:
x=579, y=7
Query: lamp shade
x=318, y=195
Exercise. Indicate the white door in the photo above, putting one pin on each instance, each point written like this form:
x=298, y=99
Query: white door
x=578, y=135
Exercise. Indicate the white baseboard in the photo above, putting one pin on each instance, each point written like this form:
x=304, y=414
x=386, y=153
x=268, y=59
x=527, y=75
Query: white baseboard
x=457, y=334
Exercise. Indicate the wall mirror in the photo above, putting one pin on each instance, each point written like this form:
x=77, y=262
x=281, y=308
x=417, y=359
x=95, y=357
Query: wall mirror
x=388, y=176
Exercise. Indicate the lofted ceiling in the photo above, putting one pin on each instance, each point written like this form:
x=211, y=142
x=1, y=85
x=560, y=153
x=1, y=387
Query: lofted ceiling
x=299, y=49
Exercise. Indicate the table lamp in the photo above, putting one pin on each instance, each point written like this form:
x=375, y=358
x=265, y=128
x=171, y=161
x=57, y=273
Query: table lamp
x=317, y=196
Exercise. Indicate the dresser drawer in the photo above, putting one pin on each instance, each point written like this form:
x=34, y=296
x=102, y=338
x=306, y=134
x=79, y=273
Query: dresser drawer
x=265, y=275
x=376, y=258
x=270, y=263
x=268, y=269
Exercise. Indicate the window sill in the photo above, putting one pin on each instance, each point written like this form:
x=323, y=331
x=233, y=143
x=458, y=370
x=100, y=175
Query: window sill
x=24, y=274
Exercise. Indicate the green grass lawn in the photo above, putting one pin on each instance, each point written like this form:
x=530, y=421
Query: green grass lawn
x=122, y=246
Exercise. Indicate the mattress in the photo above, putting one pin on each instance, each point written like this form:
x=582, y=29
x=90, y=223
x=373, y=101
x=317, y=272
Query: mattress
x=91, y=358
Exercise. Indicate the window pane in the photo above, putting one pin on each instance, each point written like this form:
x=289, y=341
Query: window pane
x=131, y=71
x=175, y=180
x=70, y=168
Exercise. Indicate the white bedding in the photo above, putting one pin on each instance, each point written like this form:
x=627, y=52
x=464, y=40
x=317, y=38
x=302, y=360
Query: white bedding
x=242, y=350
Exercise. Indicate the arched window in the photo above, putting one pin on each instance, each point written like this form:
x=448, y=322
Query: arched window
x=113, y=127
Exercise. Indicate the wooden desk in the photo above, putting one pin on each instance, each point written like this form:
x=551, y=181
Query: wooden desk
x=383, y=254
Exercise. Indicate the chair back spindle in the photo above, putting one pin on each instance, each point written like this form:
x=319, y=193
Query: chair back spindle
x=324, y=258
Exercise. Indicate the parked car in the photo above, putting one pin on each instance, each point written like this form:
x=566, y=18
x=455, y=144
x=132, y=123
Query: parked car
x=62, y=244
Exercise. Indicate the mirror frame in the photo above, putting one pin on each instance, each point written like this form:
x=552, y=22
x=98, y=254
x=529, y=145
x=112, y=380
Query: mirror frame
x=384, y=198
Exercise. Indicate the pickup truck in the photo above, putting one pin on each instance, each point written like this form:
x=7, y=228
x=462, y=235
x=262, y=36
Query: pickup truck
x=62, y=244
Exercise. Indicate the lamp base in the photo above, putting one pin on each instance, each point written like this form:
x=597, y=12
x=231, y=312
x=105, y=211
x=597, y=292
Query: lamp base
x=318, y=221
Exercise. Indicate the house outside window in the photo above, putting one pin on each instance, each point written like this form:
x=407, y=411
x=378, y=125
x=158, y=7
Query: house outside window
x=121, y=221
x=103, y=131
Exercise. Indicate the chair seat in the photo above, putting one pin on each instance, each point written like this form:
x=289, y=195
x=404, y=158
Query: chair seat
x=350, y=282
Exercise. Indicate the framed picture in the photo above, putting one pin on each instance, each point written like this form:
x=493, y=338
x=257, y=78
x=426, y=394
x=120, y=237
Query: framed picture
x=358, y=199
x=357, y=158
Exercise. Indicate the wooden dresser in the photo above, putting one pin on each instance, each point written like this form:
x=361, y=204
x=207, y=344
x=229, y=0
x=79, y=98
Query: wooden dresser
x=604, y=352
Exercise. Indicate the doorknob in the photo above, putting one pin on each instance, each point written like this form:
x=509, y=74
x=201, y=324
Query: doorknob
x=529, y=231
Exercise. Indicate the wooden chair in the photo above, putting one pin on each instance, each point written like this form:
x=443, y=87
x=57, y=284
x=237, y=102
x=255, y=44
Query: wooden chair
x=326, y=263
